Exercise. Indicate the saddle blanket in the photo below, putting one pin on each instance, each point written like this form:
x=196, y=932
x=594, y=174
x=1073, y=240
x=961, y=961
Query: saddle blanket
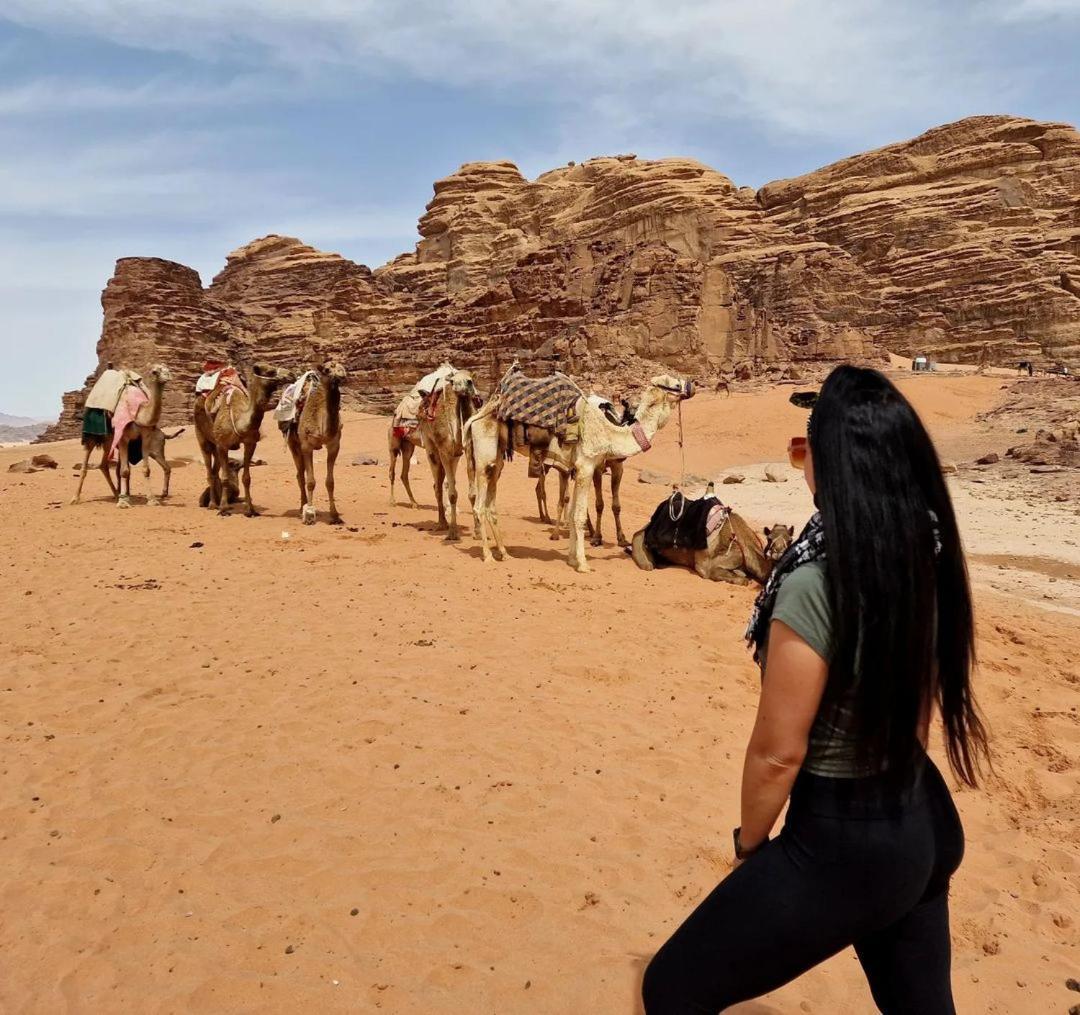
x=132, y=399
x=293, y=397
x=108, y=388
x=219, y=383
x=681, y=524
x=537, y=401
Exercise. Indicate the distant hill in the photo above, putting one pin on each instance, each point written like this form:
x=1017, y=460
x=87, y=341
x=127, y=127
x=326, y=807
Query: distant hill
x=21, y=429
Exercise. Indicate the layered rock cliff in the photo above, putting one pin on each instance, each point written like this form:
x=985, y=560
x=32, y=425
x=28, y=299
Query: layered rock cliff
x=963, y=243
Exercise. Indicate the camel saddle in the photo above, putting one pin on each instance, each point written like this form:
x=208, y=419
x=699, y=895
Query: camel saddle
x=538, y=401
x=682, y=524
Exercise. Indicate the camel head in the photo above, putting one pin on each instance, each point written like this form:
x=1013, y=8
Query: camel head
x=332, y=373
x=661, y=395
x=263, y=380
x=777, y=539
x=160, y=373
x=463, y=384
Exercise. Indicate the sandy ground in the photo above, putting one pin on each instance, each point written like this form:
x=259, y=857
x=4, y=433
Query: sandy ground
x=358, y=770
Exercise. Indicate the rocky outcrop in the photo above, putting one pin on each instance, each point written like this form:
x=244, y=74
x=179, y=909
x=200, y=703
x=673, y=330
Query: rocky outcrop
x=962, y=243
x=969, y=237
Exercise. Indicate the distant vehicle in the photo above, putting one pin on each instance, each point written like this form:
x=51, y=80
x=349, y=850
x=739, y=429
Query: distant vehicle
x=920, y=363
x=1060, y=368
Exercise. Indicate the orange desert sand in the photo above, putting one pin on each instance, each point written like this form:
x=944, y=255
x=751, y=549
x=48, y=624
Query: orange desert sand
x=358, y=770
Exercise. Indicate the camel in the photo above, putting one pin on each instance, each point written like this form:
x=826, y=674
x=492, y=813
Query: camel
x=598, y=442
x=318, y=426
x=442, y=425
x=143, y=426
x=734, y=553
x=402, y=443
x=225, y=422
x=232, y=486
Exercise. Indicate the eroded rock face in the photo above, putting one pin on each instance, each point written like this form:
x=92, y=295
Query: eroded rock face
x=963, y=243
x=969, y=236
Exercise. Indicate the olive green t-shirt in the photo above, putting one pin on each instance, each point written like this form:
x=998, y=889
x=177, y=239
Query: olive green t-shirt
x=803, y=604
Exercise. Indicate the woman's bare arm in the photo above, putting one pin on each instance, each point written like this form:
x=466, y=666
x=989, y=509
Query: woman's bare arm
x=795, y=677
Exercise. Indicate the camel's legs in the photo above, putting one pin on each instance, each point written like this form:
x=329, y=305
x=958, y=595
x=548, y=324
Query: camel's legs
x=491, y=509
x=438, y=475
x=616, y=469
x=308, y=513
x=561, y=526
x=332, y=449
x=407, y=448
x=397, y=447
x=211, y=473
x=453, y=535
x=298, y=464
x=106, y=469
x=484, y=481
x=148, y=450
x=249, y=453
x=87, y=448
x=541, y=497
x=579, y=510
x=598, y=490
x=712, y=570
x=124, y=483
x=154, y=447
x=221, y=484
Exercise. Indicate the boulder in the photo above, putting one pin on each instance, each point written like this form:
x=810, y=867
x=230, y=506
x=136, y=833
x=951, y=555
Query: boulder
x=657, y=478
x=24, y=466
x=775, y=474
x=733, y=477
x=991, y=458
x=44, y=462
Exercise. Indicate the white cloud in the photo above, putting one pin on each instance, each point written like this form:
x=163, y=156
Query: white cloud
x=816, y=66
x=46, y=95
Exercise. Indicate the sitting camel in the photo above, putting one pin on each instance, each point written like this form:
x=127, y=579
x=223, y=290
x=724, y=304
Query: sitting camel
x=599, y=441
x=442, y=423
x=734, y=553
x=232, y=486
x=318, y=426
x=227, y=420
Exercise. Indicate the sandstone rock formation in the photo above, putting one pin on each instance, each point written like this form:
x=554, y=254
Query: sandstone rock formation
x=963, y=243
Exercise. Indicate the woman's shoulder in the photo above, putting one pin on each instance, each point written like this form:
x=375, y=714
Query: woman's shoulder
x=802, y=603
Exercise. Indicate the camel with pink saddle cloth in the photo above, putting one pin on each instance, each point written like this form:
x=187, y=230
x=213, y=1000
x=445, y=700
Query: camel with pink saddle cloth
x=121, y=416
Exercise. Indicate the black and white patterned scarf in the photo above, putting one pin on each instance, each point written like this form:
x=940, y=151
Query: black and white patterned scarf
x=810, y=545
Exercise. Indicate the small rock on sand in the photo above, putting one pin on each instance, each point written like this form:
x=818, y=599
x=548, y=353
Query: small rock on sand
x=648, y=476
x=733, y=477
x=365, y=460
x=24, y=466
x=44, y=461
x=948, y=468
x=991, y=458
x=774, y=475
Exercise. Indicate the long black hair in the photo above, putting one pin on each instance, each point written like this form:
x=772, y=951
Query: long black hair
x=898, y=581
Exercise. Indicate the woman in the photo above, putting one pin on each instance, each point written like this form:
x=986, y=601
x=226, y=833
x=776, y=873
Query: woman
x=862, y=631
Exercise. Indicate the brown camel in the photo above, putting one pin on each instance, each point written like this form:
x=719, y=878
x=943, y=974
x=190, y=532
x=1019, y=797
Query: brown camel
x=402, y=444
x=225, y=421
x=144, y=426
x=318, y=426
x=232, y=487
x=442, y=421
x=734, y=553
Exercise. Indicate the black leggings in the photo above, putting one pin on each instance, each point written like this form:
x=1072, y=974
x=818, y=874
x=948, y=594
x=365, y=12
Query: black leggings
x=847, y=869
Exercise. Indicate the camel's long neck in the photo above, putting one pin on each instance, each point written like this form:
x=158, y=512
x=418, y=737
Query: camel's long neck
x=251, y=417
x=651, y=417
x=332, y=406
x=150, y=413
x=456, y=412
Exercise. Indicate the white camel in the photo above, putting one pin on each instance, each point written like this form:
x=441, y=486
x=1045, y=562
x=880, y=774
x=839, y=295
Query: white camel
x=598, y=442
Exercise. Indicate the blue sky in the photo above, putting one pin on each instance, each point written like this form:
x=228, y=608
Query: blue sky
x=185, y=128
